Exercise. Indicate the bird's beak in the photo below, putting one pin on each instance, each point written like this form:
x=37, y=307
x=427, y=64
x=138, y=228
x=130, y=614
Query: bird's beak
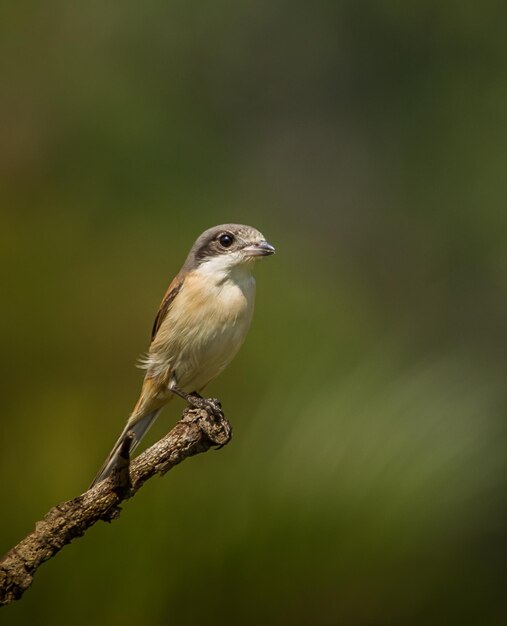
x=262, y=248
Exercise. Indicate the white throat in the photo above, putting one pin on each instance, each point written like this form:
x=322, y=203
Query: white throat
x=226, y=268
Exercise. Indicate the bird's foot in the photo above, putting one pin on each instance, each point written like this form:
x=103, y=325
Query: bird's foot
x=211, y=405
x=215, y=425
x=195, y=401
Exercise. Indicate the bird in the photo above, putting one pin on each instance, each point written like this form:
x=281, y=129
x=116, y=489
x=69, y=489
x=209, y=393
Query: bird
x=201, y=323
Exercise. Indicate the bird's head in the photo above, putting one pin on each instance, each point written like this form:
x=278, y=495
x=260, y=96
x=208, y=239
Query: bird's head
x=228, y=246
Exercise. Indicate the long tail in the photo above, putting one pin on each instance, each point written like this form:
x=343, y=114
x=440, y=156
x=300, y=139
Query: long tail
x=139, y=428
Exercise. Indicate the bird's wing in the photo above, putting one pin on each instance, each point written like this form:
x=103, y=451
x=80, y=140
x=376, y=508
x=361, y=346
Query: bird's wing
x=171, y=293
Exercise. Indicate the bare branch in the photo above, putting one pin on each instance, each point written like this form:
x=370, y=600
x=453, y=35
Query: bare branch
x=197, y=431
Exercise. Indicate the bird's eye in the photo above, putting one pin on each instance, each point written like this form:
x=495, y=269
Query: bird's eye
x=226, y=240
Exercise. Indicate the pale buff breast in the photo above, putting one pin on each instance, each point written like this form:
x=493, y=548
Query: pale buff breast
x=204, y=328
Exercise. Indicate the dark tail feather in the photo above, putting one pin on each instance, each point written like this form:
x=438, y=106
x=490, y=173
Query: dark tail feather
x=139, y=428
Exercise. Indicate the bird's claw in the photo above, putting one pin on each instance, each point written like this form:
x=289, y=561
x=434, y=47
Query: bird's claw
x=211, y=405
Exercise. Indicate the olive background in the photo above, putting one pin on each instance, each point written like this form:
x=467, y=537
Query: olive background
x=366, y=481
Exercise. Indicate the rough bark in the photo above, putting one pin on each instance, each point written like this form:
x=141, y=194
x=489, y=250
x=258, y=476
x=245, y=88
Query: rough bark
x=197, y=431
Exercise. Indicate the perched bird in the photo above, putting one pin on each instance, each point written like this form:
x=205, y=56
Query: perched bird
x=201, y=324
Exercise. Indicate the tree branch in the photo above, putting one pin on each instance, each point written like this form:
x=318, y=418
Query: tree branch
x=197, y=431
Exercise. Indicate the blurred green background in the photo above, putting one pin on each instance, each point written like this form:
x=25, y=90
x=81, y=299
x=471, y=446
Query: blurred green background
x=366, y=482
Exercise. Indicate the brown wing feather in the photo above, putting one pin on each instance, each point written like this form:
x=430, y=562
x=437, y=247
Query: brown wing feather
x=171, y=293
